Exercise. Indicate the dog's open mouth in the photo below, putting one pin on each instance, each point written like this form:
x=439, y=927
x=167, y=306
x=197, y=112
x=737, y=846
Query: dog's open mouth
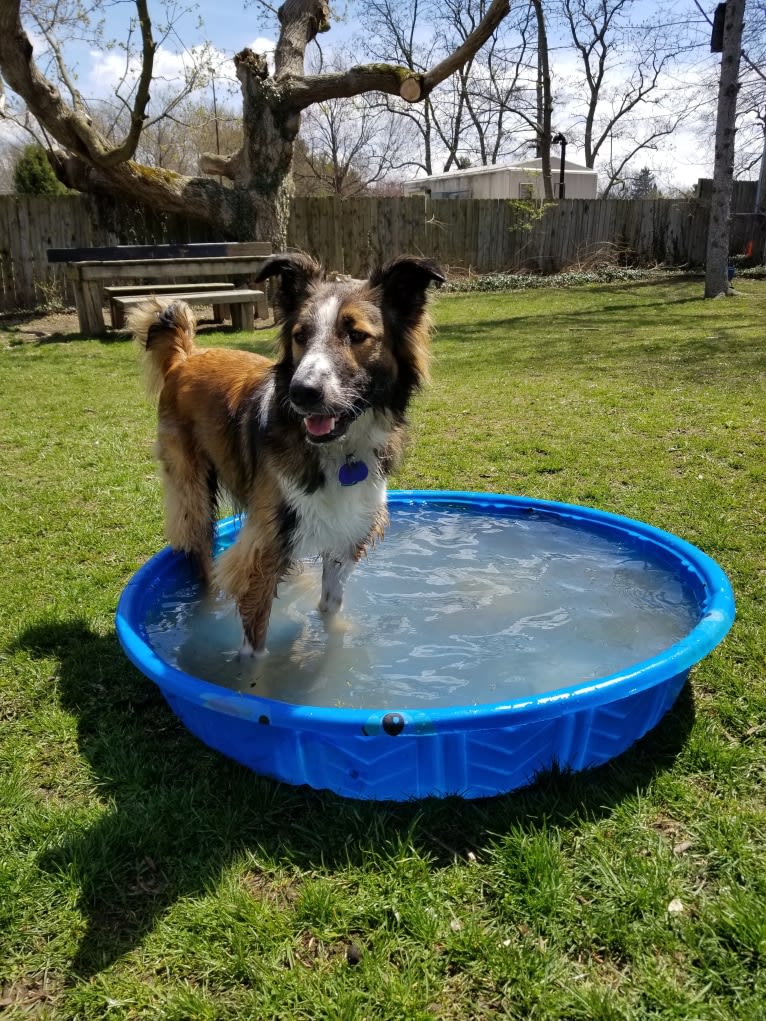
x=324, y=428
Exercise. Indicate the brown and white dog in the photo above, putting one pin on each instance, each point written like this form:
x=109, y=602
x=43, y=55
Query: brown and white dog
x=303, y=444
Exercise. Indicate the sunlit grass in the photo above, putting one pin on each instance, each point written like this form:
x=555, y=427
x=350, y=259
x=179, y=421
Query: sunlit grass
x=143, y=876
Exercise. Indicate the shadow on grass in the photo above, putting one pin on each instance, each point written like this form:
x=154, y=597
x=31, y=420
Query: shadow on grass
x=619, y=333
x=176, y=813
x=23, y=330
x=123, y=336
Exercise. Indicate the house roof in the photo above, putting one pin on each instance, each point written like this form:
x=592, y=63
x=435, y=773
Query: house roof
x=533, y=165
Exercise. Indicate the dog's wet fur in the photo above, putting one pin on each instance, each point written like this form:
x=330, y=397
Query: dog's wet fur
x=303, y=444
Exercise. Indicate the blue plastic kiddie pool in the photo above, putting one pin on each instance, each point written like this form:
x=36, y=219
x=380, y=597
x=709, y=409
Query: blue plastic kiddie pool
x=487, y=639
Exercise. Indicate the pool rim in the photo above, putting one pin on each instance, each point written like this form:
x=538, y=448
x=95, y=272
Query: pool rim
x=716, y=618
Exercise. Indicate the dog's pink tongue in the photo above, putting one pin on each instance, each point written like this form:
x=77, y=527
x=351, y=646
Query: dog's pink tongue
x=319, y=425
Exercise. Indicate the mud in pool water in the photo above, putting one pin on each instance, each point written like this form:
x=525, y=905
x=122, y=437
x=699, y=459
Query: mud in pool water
x=451, y=609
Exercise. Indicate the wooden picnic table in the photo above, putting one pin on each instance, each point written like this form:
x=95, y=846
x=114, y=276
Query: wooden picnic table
x=90, y=270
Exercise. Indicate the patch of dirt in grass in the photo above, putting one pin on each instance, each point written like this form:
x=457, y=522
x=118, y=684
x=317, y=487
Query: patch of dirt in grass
x=31, y=994
x=311, y=952
x=281, y=893
x=51, y=327
x=674, y=832
x=37, y=328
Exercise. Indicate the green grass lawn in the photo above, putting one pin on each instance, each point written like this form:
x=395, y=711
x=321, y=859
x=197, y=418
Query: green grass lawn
x=144, y=876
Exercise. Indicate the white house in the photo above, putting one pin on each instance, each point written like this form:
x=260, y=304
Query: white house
x=515, y=181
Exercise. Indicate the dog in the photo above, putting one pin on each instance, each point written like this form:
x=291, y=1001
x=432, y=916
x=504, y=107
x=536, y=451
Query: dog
x=303, y=444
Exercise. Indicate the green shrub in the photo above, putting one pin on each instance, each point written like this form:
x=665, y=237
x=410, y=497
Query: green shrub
x=571, y=278
x=33, y=174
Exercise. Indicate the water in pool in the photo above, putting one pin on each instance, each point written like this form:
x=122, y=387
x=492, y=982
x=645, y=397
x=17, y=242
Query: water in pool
x=451, y=609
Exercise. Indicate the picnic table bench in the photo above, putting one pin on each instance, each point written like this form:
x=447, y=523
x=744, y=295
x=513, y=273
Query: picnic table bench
x=117, y=311
x=241, y=302
x=91, y=270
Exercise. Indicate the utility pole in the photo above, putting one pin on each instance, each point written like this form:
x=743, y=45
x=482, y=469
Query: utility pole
x=560, y=140
x=716, y=267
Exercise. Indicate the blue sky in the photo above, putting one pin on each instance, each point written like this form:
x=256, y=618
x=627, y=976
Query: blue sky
x=229, y=26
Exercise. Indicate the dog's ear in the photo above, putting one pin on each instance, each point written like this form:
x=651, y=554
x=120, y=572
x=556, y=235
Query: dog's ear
x=297, y=273
x=404, y=282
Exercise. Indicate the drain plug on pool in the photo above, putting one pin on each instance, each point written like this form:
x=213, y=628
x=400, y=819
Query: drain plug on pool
x=393, y=723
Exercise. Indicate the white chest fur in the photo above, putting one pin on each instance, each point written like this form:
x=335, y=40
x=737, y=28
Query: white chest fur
x=336, y=518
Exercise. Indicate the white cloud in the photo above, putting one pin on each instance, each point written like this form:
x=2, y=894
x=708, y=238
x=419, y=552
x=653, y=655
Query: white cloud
x=110, y=70
x=106, y=72
x=262, y=45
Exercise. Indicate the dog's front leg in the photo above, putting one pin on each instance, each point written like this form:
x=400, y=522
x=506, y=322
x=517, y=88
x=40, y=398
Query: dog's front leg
x=250, y=572
x=254, y=607
x=335, y=572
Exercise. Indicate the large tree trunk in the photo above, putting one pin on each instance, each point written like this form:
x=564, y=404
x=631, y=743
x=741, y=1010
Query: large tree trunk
x=255, y=205
x=261, y=171
x=716, y=268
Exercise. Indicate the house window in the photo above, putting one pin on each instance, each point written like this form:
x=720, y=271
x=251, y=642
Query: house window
x=526, y=190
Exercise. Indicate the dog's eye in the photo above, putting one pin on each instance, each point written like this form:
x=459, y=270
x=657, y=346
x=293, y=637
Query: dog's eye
x=357, y=336
x=299, y=336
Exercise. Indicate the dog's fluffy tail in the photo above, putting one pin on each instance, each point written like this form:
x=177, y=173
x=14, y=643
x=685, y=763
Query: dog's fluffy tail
x=166, y=333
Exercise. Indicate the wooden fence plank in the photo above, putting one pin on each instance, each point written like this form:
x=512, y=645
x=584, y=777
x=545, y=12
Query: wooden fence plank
x=8, y=296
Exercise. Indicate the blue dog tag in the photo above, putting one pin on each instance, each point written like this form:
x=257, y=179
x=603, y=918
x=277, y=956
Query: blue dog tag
x=352, y=472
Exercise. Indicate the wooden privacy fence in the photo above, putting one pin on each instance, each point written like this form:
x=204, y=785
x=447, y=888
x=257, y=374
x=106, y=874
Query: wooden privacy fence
x=495, y=235
x=31, y=224
x=471, y=235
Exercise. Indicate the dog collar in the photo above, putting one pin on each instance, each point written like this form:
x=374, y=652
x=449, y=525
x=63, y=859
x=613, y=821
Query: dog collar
x=352, y=471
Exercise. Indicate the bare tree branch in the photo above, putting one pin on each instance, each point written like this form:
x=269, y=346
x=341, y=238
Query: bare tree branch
x=72, y=127
x=390, y=78
x=138, y=114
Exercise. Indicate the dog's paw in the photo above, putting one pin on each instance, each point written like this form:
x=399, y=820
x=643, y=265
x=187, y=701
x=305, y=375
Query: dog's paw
x=246, y=651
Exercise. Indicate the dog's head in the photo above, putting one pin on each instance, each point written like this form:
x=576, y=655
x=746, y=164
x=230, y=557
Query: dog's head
x=351, y=345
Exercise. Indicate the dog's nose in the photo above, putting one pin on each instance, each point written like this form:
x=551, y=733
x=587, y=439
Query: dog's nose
x=304, y=395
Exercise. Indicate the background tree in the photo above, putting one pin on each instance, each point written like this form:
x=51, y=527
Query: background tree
x=273, y=100
x=174, y=141
x=349, y=145
x=716, y=266
x=750, y=149
x=643, y=185
x=544, y=100
x=58, y=24
x=474, y=114
x=750, y=153
x=621, y=103
x=33, y=174
x=625, y=77
x=498, y=90
x=399, y=32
